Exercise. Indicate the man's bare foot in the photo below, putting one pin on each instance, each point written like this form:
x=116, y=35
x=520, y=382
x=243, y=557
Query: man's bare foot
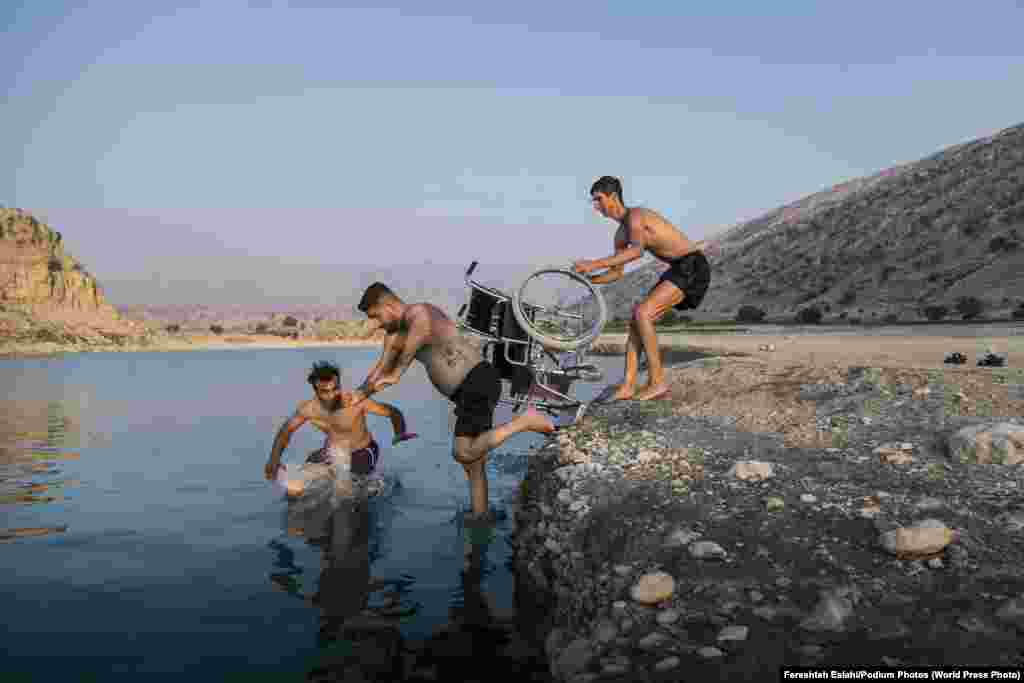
x=536, y=421
x=623, y=392
x=650, y=393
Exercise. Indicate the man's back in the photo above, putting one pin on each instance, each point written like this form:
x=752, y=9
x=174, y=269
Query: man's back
x=661, y=238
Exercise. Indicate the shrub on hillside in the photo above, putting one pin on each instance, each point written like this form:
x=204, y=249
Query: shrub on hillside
x=969, y=307
x=1018, y=314
x=216, y=329
x=173, y=329
x=891, y=318
x=809, y=316
x=261, y=328
x=935, y=313
x=290, y=321
x=749, y=314
x=1001, y=243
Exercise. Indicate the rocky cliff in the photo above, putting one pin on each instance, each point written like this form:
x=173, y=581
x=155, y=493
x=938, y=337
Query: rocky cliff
x=36, y=271
x=925, y=233
x=47, y=295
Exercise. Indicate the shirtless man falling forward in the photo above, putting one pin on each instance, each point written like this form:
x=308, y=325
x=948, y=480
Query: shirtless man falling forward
x=456, y=369
x=349, y=446
x=682, y=286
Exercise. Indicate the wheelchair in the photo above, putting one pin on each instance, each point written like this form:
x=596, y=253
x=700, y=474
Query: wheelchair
x=536, y=349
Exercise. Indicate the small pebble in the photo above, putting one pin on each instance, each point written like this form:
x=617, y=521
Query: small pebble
x=667, y=664
x=652, y=641
x=709, y=652
x=615, y=668
x=668, y=616
x=733, y=633
x=606, y=631
x=808, y=498
x=703, y=550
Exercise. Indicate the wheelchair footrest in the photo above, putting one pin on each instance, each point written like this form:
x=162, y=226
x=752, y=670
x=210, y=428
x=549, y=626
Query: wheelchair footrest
x=587, y=373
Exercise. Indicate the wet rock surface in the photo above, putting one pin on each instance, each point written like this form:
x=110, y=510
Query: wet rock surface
x=785, y=564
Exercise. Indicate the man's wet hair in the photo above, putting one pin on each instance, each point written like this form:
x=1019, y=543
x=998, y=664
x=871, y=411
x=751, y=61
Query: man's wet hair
x=374, y=294
x=324, y=372
x=607, y=185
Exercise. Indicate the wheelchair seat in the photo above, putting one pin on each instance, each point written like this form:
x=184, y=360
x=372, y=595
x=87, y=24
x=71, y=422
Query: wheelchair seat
x=511, y=357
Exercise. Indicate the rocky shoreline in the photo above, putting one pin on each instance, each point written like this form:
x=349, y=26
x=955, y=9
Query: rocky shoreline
x=669, y=543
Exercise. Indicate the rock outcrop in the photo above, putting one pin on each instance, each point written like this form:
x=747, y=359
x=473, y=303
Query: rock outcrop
x=47, y=296
x=36, y=271
x=928, y=233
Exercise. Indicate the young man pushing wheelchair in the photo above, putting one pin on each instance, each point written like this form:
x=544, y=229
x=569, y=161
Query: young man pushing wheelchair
x=682, y=286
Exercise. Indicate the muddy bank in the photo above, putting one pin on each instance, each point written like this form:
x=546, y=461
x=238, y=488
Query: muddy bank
x=777, y=549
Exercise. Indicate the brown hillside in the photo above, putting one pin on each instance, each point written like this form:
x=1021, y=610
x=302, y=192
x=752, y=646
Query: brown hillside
x=921, y=234
x=47, y=295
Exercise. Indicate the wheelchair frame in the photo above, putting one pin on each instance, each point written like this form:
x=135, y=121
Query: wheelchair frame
x=521, y=359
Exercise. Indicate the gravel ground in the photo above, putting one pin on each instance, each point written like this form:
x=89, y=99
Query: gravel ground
x=785, y=570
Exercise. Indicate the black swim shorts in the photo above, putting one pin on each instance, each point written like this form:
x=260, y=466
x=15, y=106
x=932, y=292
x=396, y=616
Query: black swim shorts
x=692, y=275
x=475, y=400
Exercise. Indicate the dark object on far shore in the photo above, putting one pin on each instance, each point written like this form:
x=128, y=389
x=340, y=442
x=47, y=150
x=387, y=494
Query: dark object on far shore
x=956, y=358
x=991, y=360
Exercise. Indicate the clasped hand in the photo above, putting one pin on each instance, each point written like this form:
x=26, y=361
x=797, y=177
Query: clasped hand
x=584, y=266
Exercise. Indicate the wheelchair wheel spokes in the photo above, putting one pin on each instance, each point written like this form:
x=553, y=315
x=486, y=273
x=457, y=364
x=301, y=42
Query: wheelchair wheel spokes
x=560, y=309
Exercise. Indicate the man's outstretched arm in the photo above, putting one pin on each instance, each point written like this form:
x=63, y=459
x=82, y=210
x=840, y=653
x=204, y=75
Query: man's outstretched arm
x=394, y=414
x=387, y=358
x=613, y=274
x=416, y=333
x=284, y=435
x=623, y=254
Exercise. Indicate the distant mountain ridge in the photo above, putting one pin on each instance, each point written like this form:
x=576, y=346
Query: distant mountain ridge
x=924, y=233
x=440, y=284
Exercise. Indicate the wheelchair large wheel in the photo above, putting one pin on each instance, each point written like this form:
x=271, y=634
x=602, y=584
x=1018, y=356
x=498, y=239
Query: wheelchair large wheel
x=560, y=309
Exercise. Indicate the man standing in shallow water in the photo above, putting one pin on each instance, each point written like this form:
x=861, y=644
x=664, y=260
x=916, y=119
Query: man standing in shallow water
x=456, y=368
x=349, y=446
x=682, y=286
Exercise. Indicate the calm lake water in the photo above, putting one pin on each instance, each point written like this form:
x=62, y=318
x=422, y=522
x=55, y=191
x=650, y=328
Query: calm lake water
x=167, y=551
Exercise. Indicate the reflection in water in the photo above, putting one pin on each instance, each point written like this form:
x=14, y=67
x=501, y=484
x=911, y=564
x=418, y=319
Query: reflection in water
x=479, y=640
x=359, y=638
x=33, y=439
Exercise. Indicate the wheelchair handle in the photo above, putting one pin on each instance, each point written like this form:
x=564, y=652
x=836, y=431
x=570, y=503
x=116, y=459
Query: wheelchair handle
x=472, y=267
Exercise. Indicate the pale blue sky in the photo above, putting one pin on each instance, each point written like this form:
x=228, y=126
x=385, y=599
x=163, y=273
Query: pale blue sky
x=184, y=140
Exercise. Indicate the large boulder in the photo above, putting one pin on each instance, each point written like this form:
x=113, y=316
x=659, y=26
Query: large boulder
x=1000, y=443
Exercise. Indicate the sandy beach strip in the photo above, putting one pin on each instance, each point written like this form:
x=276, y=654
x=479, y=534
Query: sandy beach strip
x=909, y=351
